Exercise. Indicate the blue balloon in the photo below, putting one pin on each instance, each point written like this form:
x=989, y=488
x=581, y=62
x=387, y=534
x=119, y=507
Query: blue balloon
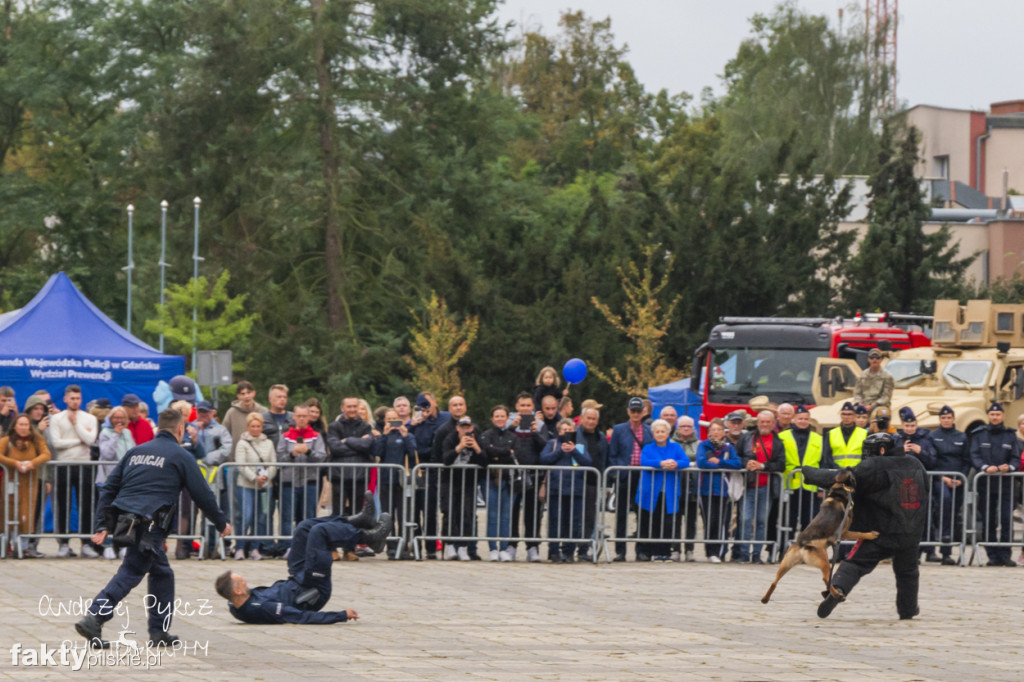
x=574, y=371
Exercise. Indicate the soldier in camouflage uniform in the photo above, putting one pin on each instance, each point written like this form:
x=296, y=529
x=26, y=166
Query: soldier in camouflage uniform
x=874, y=387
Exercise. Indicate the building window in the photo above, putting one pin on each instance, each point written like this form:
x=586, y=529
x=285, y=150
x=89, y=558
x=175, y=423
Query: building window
x=940, y=167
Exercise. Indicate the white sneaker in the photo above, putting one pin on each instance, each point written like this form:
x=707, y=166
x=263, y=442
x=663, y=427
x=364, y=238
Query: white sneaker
x=239, y=555
x=109, y=554
x=512, y=553
x=88, y=552
x=506, y=556
x=122, y=552
x=64, y=551
x=449, y=552
x=463, y=554
x=689, y=556
x=494, y=555
x=532, y=555
x=675, y=557
x=714, y=560
x=255, y=555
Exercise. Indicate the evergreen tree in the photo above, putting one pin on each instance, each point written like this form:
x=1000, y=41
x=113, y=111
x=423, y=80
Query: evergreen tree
x=898, y=266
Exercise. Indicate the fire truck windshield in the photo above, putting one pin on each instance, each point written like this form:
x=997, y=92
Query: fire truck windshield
x=782, y=374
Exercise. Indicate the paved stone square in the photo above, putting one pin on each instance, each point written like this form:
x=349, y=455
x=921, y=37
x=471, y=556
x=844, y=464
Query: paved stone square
x=478, y=620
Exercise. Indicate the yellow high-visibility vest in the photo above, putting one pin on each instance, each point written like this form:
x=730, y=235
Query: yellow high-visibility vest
x=847, y=454
x=812, y=458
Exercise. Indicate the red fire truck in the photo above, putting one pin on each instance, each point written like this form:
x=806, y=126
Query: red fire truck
x=775, y=357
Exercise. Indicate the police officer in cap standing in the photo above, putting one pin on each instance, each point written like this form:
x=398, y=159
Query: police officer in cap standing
x=951, y=455
x=914, y=440
x=138, y=505
x=994, y=451
x=842, y=444
x=891, y=497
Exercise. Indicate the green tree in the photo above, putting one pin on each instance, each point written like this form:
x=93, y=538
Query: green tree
x=898, y=266
x=438, y=342
x=645, y=322
x=800, y=81
x=222, y=321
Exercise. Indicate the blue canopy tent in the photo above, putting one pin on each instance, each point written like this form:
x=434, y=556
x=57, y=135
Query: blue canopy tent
x=61, y=338
x=677, y=394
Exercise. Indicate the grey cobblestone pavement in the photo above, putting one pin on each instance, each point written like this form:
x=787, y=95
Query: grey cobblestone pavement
x=483, y=621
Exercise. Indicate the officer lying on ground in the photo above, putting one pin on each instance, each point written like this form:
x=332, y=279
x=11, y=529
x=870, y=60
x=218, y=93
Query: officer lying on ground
x=308, y=587
x=138, y=504
x=892, y=498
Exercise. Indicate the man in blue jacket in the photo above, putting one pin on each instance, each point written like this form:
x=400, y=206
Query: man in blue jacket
x=425, y=430
x=142, y=494
x=995, y=450
x=628, y=439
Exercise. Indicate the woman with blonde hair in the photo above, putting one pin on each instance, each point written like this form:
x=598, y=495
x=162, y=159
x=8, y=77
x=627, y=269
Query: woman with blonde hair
x=252, y=483
x=22, y=452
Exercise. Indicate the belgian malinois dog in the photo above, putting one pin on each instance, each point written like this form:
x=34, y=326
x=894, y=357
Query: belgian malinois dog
x=809, y=548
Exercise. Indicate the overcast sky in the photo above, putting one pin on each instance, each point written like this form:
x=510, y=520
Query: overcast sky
x=950, y=52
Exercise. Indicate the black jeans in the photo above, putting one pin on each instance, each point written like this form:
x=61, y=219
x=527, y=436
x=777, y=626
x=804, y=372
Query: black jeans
x=80, y=479
x=716, y=510
x=625, y=498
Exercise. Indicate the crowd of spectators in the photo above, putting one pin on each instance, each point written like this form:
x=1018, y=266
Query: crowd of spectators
x=666, y=479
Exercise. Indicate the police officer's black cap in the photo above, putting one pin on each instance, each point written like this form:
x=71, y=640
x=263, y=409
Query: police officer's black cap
x=995, y=407
x=847, y=407
x=946, y=409
x=860, y=409
x=801, y=409
x=907, y=415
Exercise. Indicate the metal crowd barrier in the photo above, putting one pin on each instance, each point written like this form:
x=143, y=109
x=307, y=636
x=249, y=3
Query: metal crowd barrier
x=948, y=514
x=264, y=519
x=992, y=500
x=73, y=489
x=713, y=519
x=522, y=504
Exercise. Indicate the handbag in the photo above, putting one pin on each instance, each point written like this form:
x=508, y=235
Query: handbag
x=737, y=485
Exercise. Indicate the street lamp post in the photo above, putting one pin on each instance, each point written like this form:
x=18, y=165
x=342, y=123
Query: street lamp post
x=195, y=276
x=163, y=258
x=130, y=266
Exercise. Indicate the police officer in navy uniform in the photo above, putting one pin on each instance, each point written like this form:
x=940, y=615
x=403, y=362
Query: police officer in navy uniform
x=994, y=451
x=142, y=493
x=914, y=440
x=891, y=497
x=951, y=455
x=299, y=598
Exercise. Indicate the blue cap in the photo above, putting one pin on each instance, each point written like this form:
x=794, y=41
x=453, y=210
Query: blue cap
x=860, y=409
x=130, y=399
x=995, y=407
x=183, y=388
x=204, y=406
x=946, y=409
x=847, y=407
x=423, y=402
x=907, y=415
x=801, y=409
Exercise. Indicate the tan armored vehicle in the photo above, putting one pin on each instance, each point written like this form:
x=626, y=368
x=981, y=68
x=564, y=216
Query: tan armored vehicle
x=976, y=357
